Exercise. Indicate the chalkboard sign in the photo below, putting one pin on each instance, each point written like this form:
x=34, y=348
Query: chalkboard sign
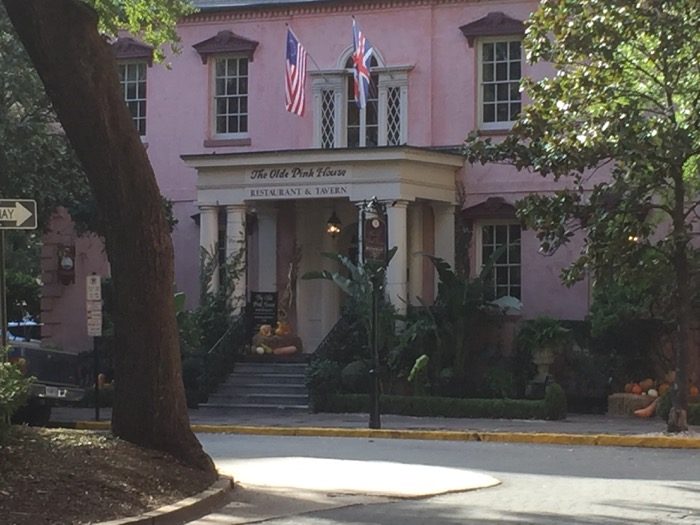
x=263, y=308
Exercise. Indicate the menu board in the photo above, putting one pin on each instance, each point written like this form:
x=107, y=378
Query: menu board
x=263, y=308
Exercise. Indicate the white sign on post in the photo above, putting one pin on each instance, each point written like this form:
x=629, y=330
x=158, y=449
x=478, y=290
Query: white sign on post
x=94, y=305
x=94, y=288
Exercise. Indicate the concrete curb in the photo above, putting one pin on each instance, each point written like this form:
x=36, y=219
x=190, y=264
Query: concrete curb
x=184, y=510
x=600, y=440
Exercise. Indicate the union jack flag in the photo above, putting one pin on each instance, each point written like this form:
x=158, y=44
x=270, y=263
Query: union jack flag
x=362, y=53
x=295, y=75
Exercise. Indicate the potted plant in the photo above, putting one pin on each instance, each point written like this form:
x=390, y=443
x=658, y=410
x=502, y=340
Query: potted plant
x=543, y=337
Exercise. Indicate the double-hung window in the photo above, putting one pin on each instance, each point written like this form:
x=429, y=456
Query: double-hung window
x=500, y=72
x=132, y=79
x=231, y=96
x=498, y=245
x=133, y=60
x=339, y=122
x=229, y=57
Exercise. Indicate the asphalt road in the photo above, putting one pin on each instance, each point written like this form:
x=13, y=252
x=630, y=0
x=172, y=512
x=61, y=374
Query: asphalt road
x=539, y=484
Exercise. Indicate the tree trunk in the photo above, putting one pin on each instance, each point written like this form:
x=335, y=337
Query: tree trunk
x=678, y=416
x=79, y=72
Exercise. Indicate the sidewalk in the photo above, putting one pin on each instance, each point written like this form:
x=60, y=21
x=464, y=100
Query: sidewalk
x=576, y=429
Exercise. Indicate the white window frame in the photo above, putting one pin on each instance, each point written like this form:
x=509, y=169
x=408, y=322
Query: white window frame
x=123, y=84
x=336, y=80
x=498, y=125
x=213, y=98
x=478, y=248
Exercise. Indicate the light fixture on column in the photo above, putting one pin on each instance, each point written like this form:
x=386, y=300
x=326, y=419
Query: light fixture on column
x=333, y=225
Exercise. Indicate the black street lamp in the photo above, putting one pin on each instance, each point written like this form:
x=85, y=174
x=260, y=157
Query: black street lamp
x=373, y=243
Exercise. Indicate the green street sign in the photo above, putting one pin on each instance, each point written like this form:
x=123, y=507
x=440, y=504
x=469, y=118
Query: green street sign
x=17, y=214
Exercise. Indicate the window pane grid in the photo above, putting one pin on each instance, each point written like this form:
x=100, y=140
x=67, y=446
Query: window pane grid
x=231, y=95
x=505, y=279
x=327, y=119
x=393, y=124
x=132, y=79
x=500, y=81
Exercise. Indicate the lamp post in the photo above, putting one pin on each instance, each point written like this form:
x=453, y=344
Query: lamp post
x=373, y=256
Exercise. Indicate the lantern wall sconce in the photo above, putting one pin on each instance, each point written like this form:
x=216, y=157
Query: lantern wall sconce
x=333, y=226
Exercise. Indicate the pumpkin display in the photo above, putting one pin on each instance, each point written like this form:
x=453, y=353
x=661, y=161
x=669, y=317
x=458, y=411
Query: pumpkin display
x=653, y=392
x=636, y=389
x=694, y=391
x=648, y=411
x=663, y=388
x=646, y=384
x=628, y=388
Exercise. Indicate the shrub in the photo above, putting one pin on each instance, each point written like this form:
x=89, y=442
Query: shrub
x=13, y=391
x=355, y=377
x=555, y=402
x=663, y=408
x=552, y=407
x=322, y=379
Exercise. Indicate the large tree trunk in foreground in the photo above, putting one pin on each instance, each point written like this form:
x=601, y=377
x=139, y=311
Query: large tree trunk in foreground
x=79, y=72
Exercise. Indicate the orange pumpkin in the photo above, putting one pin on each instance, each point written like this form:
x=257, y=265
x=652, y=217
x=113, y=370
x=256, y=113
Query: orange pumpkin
x=694, y=391
x=636, y=389
x=646, y=384
x=663, y=388
x=628, y=388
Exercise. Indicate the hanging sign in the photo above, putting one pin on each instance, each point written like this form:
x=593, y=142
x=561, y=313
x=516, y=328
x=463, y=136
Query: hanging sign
x=374, y=240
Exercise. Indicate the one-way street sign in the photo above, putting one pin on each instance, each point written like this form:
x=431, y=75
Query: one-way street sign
x=17, y=214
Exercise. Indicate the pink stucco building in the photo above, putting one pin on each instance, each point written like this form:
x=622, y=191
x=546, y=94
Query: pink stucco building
x=243, y=172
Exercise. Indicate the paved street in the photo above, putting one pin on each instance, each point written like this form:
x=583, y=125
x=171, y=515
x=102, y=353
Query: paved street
x=539, y=483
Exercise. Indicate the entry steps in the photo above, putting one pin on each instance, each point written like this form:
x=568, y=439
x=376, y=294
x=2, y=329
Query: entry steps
x=263, y=386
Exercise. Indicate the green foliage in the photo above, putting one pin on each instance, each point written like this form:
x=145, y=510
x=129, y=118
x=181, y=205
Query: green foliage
x=555, y=402
x=542, y=332
x=322, y=379
x=355, y=377
x=663, y=408
x=619, y=122
x=419, y=375
x=213, y=333
x=548, y=408
x=13, y=390
x=497, y=383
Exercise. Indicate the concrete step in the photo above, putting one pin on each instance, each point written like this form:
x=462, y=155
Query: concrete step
x=233, y=389
x=260, y=399
x=239, y=378
x=224, y=409
x=271, y=368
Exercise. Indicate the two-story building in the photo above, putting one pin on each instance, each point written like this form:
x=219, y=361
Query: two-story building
x=243, y=173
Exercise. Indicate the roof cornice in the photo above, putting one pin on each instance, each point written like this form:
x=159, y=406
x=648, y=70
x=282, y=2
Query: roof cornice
x=331, y=6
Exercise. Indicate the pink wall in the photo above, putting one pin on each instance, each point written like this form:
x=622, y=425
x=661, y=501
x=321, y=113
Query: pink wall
x=442, y=108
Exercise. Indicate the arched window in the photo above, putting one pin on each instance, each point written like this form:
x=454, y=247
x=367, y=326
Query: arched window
x=339, y=123
x=362, y=125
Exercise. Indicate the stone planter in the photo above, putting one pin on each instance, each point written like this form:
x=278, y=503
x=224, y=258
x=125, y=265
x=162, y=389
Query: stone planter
x=543, y=358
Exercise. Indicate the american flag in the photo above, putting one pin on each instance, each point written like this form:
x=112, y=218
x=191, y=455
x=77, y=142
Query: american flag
x=362, y=53
x=295, y=75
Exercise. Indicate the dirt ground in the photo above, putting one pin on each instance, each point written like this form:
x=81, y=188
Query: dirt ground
x=58, y=476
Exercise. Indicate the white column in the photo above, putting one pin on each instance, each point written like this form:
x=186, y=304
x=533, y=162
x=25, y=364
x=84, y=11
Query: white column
x=445, y=231
x=415, y=252
x=396, y=282
x=209, y=241
x=267, y=248
x=235, y=244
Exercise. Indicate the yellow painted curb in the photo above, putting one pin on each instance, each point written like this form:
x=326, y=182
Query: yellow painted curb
x=602, y=440
x=455, y=435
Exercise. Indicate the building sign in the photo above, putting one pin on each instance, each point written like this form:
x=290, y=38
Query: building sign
x=263, y=309
x=297, y=182
x=298, y=192
x=374, y=240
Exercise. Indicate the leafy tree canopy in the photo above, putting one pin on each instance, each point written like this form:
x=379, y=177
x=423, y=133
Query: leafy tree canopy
x=625, y=98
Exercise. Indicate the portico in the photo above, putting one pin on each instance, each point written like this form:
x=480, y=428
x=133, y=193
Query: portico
x=277, y=204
